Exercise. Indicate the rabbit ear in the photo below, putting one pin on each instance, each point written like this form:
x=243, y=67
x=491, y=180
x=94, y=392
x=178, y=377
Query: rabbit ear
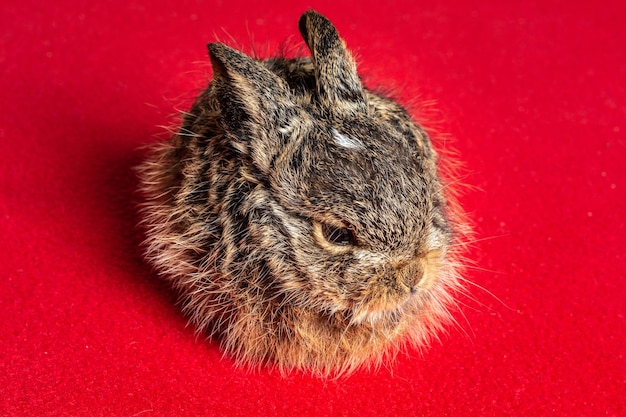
x=255, y=103
x=335, y=69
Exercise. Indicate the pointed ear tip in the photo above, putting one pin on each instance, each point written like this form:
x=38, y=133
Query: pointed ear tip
x=214, y=48
x=220, y=52
x=217, y=58
x=306, y=16
x=316, y=21
x=310, y=12
x=306, y=13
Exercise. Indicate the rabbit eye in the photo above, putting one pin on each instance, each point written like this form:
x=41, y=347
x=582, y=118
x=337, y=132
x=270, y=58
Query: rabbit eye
x=338, y=235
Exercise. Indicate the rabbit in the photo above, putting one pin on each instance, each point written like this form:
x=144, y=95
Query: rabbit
x=301, y=216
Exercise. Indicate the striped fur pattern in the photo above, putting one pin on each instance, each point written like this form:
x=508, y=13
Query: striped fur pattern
x=300, y=215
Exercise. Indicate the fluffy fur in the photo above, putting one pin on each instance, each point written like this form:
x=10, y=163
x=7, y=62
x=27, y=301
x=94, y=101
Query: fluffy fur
x=300, y=215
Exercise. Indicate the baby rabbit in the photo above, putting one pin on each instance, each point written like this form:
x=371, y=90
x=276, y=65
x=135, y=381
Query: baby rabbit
x=301, y=216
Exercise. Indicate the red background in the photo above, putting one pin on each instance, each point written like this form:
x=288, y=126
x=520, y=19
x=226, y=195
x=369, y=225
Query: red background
x=533, y=93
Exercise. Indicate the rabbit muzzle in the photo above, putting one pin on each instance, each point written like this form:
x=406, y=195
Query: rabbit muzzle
x=398, y=285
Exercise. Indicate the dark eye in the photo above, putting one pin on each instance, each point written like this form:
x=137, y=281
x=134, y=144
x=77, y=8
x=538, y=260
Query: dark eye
x=338, y=235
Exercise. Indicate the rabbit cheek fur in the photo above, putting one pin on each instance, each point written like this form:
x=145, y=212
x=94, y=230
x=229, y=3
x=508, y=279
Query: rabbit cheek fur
x=244, y=204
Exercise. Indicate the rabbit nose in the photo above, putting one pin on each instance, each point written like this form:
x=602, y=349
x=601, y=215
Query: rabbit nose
x=410, y=274
x=420, y=272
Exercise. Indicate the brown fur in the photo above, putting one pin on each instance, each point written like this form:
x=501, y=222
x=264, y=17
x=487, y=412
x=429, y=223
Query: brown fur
x=273, y=154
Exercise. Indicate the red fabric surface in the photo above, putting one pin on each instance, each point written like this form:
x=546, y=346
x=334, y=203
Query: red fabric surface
x=534, y=93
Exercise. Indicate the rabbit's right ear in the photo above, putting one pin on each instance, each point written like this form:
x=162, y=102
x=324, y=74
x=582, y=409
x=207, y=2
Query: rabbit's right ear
x=256, y=105
x=338, y=83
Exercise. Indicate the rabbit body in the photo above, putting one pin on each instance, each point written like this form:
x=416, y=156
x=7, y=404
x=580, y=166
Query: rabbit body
x=300, y=215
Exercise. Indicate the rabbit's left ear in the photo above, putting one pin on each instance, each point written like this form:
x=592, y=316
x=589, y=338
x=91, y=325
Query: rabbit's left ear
x=256, y=104
x=335, y=70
